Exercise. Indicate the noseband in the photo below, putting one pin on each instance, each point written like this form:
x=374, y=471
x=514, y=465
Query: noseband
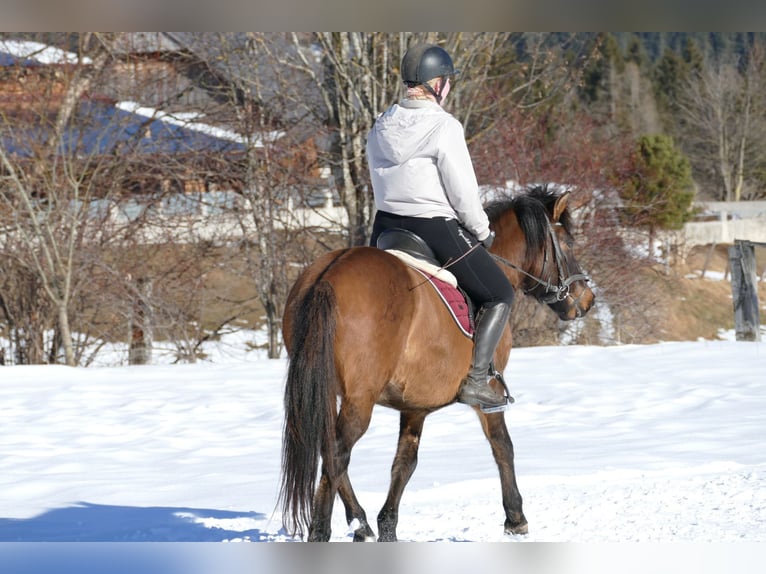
x=553, y=293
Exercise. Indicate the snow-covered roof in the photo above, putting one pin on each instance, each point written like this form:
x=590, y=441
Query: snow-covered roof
x=186, y=120
x=100, y=127
x=40, y=53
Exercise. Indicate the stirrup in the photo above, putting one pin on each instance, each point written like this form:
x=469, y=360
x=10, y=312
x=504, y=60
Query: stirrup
x=509, y=400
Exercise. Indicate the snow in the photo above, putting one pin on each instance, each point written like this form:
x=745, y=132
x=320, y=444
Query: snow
x=709, y=275
x=655, y=443
x=41, y=53
x=186, y=120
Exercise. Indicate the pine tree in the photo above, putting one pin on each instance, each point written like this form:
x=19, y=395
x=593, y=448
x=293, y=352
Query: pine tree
x=692, y=55
x=636, y=52
x=669, y=76
x=658, y=192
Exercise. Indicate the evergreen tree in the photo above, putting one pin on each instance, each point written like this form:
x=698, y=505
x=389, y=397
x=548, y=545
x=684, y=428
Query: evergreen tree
x=636, y=52
x=719, y=43
x=668, y=79
x=658, y=192
x=692, y=56
x=595, y=89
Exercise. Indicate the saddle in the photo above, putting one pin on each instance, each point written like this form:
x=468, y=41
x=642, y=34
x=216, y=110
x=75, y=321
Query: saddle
x=416, y=253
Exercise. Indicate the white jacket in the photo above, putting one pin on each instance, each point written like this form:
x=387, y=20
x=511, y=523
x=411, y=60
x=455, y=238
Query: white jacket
x=420, y=166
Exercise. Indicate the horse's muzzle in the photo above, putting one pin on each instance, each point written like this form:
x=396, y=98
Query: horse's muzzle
x=575, y=305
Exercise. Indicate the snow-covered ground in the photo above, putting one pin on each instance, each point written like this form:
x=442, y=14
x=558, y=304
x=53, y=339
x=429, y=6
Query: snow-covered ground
x=626, y=443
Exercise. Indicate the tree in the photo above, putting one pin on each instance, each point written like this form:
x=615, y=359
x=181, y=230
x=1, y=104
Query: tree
x=657, y=191
x=635, y=52
x=669, y=74
x=692, y=56
x=616, y=90
x=46, y=191
x=723, y=112
x=598, y=75
x=84, y=207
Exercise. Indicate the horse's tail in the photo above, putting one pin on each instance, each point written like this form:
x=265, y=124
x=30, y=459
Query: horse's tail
x=310, y=405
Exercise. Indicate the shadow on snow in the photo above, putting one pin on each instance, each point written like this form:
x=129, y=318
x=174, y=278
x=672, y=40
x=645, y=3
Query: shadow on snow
x=85, y=522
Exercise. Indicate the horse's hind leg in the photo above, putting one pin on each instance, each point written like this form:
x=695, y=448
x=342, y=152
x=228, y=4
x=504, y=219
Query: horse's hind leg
x=354, y=510
x=502, y=449
x=405, y=461
x=321, y=511
x=320, y=527
x=351, y=425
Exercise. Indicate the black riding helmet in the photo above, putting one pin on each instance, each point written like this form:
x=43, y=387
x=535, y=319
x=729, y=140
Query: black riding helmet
x=425, y=62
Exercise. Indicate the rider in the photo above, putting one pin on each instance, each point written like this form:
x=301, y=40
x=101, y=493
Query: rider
x=423, y=181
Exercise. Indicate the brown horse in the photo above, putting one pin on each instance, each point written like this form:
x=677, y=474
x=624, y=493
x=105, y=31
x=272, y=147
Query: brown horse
x=361, y=325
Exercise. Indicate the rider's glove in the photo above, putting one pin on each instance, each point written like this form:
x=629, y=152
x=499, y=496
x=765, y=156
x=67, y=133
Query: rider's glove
x=489, y=239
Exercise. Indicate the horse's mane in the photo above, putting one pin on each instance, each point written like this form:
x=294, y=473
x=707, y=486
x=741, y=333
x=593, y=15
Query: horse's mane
x=532, y=210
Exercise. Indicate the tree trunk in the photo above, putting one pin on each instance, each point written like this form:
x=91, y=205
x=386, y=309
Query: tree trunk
x=66, y=334
x=740, y=175
x=274, y=323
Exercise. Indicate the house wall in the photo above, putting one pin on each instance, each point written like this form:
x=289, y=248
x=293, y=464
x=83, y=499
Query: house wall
x=31, y=89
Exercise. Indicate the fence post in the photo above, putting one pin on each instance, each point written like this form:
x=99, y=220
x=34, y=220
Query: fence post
x=744, y=291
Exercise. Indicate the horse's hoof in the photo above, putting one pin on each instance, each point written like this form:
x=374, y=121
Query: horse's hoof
x=318, y=536
x=364, y=535
x=522, y=528
x=387, y=537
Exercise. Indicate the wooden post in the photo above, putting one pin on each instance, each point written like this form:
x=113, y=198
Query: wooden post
x=140, y=351
x=708, y=258
x=744, y=291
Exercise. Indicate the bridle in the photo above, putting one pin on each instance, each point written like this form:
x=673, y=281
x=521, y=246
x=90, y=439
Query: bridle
x=553, y=293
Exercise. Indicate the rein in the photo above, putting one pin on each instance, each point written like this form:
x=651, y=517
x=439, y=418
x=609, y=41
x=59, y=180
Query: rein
x=553, y=293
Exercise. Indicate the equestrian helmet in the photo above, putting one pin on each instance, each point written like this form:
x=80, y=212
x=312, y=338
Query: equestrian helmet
x=425, y=62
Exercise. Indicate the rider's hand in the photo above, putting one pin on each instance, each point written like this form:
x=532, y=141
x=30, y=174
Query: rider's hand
x=489, y=239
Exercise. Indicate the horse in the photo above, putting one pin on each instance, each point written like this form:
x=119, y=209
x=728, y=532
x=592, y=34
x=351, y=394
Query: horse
x=362, y=327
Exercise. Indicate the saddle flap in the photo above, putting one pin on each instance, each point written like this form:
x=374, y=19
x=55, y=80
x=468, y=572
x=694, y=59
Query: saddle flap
x=428, y=268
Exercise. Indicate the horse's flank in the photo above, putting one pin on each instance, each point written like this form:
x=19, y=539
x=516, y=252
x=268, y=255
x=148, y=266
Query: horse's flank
x=391, y=315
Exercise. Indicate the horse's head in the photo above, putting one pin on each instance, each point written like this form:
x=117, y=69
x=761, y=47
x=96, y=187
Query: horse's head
x=546, y=266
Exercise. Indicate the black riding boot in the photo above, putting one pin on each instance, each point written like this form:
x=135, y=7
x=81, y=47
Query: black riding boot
x=475, y=390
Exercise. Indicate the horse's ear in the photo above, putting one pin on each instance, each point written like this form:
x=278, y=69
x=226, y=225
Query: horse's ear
x=560, y=206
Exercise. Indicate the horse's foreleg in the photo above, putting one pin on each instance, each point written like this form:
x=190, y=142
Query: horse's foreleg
x=351, y=425
x=405, y=461
x=354, y=510
x=502, y=449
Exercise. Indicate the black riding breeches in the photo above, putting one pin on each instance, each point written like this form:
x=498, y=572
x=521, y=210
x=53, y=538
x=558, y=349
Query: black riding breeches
x=477, y=273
